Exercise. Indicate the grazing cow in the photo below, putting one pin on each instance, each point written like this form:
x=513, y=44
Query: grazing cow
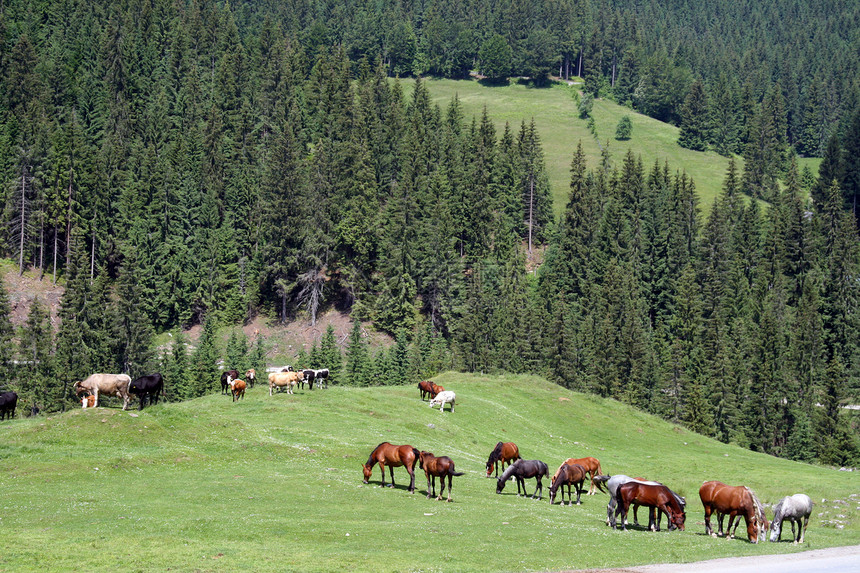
x=8, y=403
x=88, y=401
x=284, y=379
x=238, y=389
x=251, y=377
x=226, y=377
x=442, y=398
x=308, y=376
x=110, y=384
x=321, y=376
x=147, y=386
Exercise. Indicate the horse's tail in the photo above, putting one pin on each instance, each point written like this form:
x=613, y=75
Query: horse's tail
x=600, y=482
x=416, y=455
x=457, y=473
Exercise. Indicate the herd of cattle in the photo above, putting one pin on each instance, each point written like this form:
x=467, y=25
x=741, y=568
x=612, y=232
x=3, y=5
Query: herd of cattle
x=150, y=387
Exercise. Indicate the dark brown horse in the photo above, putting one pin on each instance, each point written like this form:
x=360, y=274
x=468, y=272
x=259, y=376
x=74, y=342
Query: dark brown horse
x=440, y=467
x=591, y=466
x=425, y=387
x=734, y=501
x=503, y=452
x=567, y=475
x=386, y=454
x=659, y=497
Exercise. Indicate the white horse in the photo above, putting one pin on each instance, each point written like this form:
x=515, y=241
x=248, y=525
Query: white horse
x=442, y=398
x=795, y=508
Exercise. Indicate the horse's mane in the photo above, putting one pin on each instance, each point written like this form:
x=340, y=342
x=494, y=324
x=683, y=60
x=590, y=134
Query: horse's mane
x=370, y=457
x=759, y=508
x=495, y=454
x=506, y=475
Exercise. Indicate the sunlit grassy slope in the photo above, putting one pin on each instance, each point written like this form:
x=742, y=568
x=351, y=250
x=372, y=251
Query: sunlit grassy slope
x=556, y=116
x=274, y=484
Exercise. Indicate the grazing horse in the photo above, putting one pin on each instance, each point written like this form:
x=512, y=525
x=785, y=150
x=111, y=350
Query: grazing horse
x=659, y=497
x=251, y=377
x=110, y=384
x=442, y=398
x=226, y=377
x=8, y=403
x=147, y=387
x=591, y=466
x=734, y=501
x=613, y=482
x=523, y=470
x=796, y=509
x=386, y=454
x=503, y=452
x=434, y=467
x=237, y=388
x=567, y=475
x=425, y=387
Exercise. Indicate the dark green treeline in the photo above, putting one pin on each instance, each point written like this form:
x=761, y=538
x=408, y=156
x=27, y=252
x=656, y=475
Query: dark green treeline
x=179, y=163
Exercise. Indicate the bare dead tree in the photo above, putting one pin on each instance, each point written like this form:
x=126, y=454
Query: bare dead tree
x=311, y=293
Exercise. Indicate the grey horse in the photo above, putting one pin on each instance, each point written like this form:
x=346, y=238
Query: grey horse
x=796, y=509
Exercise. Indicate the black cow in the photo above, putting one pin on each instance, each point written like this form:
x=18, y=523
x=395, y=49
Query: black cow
x=151, y=386
x=225, y=383
x=309, y=376
x=8, y=403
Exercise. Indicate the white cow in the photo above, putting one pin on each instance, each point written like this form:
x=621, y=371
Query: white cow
x=442, y=398
x=110, y=384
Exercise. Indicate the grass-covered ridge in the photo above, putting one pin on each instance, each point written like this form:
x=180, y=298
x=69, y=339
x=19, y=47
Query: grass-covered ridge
x=275, y=484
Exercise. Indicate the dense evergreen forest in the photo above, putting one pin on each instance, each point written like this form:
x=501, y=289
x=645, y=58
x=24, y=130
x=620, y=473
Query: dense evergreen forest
x=180, y=162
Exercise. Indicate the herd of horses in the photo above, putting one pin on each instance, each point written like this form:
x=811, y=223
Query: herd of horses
x=718, y=499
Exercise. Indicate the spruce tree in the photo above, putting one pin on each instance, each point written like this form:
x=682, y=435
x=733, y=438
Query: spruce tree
x=203, y=366
x=357, y=367
x=695, y=119
x=330, y=356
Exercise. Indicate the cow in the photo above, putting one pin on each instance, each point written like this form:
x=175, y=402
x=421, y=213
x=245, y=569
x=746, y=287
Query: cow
x=226, y=376
x=8, y=403
x=281, y=379
x=110, y=384
x=147, y=386
x=321, y=376
x=308, y=376
x=238, y=389
x=251, y=377
x=287, y=368
x=88, y=401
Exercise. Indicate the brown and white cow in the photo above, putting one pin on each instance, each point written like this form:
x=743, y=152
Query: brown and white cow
x=88, y=401
x=110, y=384
x=282, y=379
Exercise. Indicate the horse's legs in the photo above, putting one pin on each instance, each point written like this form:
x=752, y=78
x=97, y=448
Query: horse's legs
x=635, y=514
x=708, y=530
x=391, y=470
x=803, y=527
x=624, y=507
x=450, y=477
x=579, y=488
x=539, y=489
x=382, y=467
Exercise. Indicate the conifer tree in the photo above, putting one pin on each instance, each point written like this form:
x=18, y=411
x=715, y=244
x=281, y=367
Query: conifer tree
x=695, y=119
x=203, y=365
x=357, y=367
x=329, y=356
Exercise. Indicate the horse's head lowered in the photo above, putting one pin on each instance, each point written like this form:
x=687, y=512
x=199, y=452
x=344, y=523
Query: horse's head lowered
x=368, y=471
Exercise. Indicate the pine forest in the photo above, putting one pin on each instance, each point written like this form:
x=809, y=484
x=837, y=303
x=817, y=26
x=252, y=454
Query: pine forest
x=174, y=163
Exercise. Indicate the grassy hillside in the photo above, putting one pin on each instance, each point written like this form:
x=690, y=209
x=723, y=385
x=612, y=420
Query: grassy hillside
x=556, y=116
x=274, y=484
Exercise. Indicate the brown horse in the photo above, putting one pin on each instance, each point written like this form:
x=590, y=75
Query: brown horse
x=437, y=467
x=734, y=501
x=386, y=454
x=425, y=387
x=659, y=497
x=591, y=466
x=567, y=475
x=503, y=452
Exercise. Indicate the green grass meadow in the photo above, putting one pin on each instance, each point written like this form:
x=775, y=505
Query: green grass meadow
x=275, y=484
